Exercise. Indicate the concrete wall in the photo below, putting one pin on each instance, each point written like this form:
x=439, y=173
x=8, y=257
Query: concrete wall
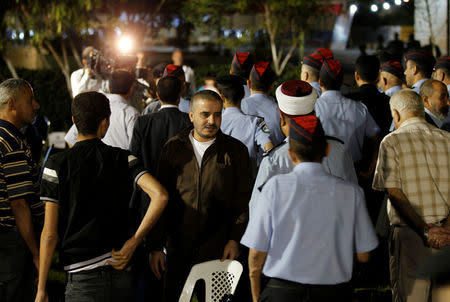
x=438, y=13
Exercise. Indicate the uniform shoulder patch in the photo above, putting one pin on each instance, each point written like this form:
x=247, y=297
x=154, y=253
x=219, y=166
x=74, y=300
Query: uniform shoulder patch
x=267, y=153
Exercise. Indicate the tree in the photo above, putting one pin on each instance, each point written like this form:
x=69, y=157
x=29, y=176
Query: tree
x=54, y=23
x=285, y=21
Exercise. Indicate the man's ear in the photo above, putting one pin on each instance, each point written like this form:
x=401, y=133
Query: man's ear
x=320, y=83
x=73, y=120
x=11, y=105
x=395, y=115
x=415, y=69
x=384, y=81
x=305, y=76
x=425, y=100
x=357, y=77
x=191, y=116
x=249, y=84
x=328, y=149
x=283, y=120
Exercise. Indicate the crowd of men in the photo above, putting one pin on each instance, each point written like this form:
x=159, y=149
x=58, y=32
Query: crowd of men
x=291, y=185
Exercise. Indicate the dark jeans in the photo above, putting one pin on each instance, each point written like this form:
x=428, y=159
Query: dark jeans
x=286, y=291
x=16, y=268
x=103, y=284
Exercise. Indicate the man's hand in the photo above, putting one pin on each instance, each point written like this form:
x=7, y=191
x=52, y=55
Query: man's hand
x=157, y=263
x=438, y=237
x=231, y=250
x=123, y=256
x=41, y=296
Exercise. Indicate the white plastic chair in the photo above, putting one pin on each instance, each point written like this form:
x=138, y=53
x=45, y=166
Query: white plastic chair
x=220, y=278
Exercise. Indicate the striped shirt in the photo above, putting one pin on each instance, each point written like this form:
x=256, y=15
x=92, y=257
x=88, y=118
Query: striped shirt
x=18, y=175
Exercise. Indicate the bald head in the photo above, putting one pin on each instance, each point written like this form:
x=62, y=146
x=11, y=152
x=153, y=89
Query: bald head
x=309, y=74
x=205, y=95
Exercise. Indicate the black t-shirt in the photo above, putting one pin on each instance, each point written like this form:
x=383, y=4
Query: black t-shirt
x=92, y=184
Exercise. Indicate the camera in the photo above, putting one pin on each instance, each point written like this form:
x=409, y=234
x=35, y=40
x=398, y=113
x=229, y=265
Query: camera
x=104, y=65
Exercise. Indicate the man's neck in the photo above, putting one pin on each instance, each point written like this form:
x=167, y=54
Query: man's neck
x=201, y=139
x=256, y=91
x=169, y=104
x=230, y=105
x=390, y=85
x=84, y=137
x=418, y=78
x=9, y=119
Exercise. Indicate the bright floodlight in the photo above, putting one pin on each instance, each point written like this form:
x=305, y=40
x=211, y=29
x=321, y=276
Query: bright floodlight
x=386, y=6
x=125, y=44
x=374, y=8
x=398, y=2
x=353, y=8
x=405, y=0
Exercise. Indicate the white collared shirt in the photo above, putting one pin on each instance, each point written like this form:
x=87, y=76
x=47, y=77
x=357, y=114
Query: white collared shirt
x=391, y=91
x=121, y=124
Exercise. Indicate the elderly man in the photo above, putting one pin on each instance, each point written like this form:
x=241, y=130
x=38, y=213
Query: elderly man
x=435, y=100
x=442, y=71
x=413, y=167
x=208, y=176
x=419, y=66
x=307, y=226
x=20, y=208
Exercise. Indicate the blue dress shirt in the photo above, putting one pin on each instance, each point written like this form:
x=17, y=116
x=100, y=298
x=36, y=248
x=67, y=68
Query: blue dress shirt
x=310, y=224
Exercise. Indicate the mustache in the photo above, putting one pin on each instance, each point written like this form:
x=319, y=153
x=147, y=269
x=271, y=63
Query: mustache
x=210, y=126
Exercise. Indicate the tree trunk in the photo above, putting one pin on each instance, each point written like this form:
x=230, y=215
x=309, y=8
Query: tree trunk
x=10, y=66
x=301, y=46
x=75, y=52
x=63, y=66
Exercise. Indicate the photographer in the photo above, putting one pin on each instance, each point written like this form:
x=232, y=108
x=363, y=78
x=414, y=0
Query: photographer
x=85, y=79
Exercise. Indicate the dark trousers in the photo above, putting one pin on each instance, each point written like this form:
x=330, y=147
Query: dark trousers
x=287, y=291
x=17, y=271
x=103, y=284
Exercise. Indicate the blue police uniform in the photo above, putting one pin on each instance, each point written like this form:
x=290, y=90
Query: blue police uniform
x=337, y=163
x=316, y=86
x=417, y=85
x=184, y=106
x=250, y=130
x=259, y=104
x=346, y=119
x=391, y=91
x=311, y=224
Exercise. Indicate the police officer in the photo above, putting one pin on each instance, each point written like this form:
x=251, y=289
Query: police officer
x=306, y=226
x=250, y=130
x=419, y=66
x=311, y=67
x=259, y=103
x=391, y=77
x=296, y=98
x=241, y=65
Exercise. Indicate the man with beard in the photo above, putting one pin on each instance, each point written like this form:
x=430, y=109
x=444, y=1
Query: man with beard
x=435, y=100
x=208, y=177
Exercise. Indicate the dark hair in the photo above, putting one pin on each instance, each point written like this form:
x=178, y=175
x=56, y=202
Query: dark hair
x=88, y=110
x=425, y=68
x=169, y=89
x=120, y=81
x=329, y=82
x=368, y=68
x=309, y=153
x=264, y=83
x=230, y=86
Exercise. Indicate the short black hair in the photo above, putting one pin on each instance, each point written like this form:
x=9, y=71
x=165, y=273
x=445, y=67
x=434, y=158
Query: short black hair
x=88, y=110
x=329, y=82
x=230, y=86
x=120, y=81
x=264, y=83
x=425, y=68
x=169, y=89
x=309, y=153
x=368, y=68
x=205, y=95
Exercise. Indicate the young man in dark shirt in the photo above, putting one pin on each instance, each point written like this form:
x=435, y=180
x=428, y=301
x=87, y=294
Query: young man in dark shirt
x=87, y=191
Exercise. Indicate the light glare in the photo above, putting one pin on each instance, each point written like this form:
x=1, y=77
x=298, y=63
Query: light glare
x=386, y=6
x=125, y=44
x=398, y=2
x=353, y=8
x=374, y=8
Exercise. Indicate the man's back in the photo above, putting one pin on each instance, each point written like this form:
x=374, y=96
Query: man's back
x=418, y=157
x=92, y=184
x=377, y=103
x=345, y=119
x=152, y=131
x=250, y=130
x=259, y=104
x=296, y=209
x=337, y=163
